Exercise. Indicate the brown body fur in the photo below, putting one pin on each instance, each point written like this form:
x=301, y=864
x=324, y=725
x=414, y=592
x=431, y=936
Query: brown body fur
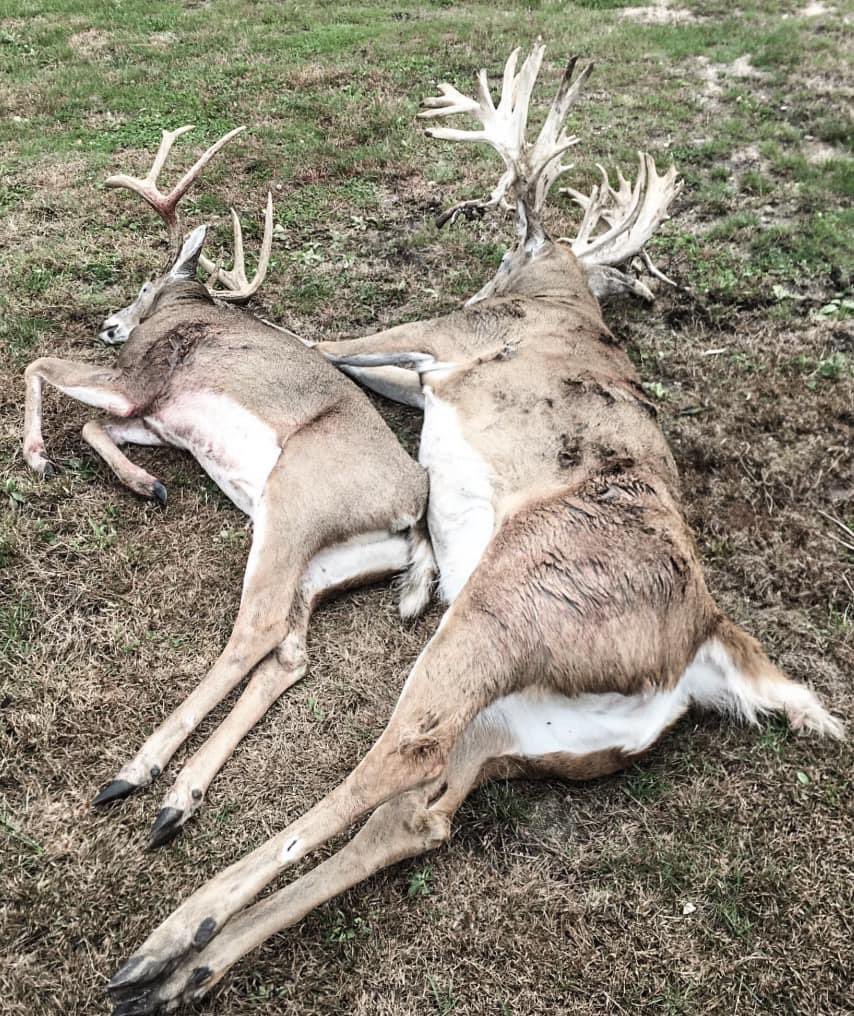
x=589, y=583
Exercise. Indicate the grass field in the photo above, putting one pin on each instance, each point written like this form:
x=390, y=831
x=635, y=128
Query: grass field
x=716, y=877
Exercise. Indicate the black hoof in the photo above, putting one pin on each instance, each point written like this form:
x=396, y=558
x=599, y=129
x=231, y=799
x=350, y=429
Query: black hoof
x=166, y=827
x=138, y=1006
x=158, y=492
x=134, y=980
x=114, y=791
x=126, y=974
x=49, y=471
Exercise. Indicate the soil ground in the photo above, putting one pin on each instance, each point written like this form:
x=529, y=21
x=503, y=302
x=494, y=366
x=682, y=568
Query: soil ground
x=714, y=877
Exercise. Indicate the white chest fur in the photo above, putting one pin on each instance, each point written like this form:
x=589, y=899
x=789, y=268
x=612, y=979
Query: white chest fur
x=233, y=446
x=460, y=511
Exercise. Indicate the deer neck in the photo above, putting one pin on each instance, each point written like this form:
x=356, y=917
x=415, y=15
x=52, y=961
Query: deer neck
x=542, y=271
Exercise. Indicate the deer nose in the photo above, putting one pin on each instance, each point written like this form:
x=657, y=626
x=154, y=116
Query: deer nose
x=110, y=330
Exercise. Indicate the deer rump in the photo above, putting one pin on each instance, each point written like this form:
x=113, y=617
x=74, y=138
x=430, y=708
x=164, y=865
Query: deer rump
x=578, y=627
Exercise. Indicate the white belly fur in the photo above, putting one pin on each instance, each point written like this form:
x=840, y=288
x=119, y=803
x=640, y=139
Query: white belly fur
x=540, y=722
x=460, y=513
x=536, y=722
x=364, y=556
x=233, y=446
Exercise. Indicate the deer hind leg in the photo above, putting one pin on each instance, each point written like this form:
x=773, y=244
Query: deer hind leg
x=410, y=755
x=94, y=386
x=284, y=540
x=309, y=503
x=260, y=626
x=344, y=565
x=104, y=438
x=405, y=826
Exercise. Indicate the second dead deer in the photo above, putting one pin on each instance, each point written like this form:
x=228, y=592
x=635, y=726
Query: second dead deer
x=334, y=499
x=579, y=626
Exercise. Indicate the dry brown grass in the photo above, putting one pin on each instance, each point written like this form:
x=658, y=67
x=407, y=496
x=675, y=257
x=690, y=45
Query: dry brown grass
x=549, y=898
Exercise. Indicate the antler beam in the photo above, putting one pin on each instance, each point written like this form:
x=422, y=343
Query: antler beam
x=237, y=286
x=166, y=204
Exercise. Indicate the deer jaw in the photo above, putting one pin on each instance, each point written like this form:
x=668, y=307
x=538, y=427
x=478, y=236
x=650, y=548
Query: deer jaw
x=117, y=328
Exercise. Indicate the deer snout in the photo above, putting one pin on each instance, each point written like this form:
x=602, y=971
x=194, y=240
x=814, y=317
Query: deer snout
x=113, y=331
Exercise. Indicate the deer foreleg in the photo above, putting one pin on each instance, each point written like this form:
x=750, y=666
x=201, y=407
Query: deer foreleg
x=100, y=387
x=104, y=438
x=395, y=383
x=396, y=345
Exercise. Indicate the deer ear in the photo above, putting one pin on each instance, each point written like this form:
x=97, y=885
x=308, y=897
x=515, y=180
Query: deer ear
x=187, y=261
x=605, y=281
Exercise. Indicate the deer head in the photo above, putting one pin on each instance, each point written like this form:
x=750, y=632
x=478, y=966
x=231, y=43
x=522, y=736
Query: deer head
x=616, y=224
x=187, y=251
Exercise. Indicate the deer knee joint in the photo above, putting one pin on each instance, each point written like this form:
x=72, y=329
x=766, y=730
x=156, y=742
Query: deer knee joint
x=35, y=368
x=425, y=751
x=291, y=653
x=431, y=828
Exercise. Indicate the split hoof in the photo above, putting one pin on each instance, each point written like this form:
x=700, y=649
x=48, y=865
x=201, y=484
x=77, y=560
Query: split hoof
x=166, y=827
x=115, y=790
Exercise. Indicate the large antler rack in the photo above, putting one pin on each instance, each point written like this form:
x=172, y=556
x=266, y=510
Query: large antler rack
x=236, y=285
x=530, y=169
x=625, y=217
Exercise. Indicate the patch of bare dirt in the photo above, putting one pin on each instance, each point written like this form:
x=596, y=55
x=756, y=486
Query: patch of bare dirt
x=57, y=176
x=91, y=43
x=660, y=12
x=715, y=75
x=816, y=9
x=162, y=40
x=818, y=152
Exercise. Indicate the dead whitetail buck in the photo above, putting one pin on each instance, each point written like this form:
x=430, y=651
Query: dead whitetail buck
x=579, y=627
x=334, y=500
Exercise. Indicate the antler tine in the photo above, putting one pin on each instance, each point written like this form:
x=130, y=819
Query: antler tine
x=553, y=140
x=166, y=204
x=630, y=213
x=237, y=287
x=166, y=141
x=619, y=215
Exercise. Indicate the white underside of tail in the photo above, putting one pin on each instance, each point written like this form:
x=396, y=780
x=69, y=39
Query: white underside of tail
x=416, y=584
x=715, y=682
x=536, y=722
